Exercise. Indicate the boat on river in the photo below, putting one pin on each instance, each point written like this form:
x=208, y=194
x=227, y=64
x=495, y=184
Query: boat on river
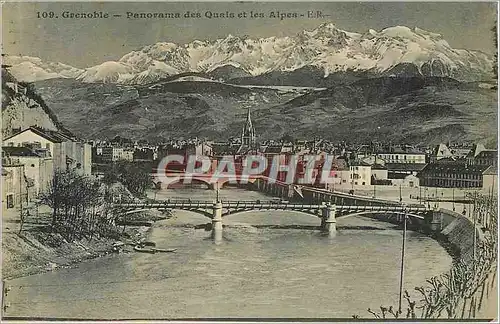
x=152, y=250
x=165, y=250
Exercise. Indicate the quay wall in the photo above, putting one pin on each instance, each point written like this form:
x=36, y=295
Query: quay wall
x=458, y=230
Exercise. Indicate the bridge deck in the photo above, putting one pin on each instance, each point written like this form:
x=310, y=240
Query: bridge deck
x=266, y=205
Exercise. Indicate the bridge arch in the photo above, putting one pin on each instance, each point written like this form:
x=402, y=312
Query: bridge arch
x=195, y=181
x=308, y=213
x=388, y=216
x=201, y=211
x=372, y=212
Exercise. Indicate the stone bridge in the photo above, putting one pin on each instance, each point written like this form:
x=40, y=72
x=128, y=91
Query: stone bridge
x=172, y=178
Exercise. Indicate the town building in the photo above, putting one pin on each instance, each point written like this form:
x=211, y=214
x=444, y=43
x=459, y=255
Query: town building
x=490, y=179
x=38, y=167
x=14, y=184
x=192, y=149
x=361, y=174
x=460, y=151
x=402, y=170
x=114, y=154
x=441, y=151
x=402, y=154
x=66, y=151
x=410, y=181
x=479, y=155
x=453, y=174
x=380, y=174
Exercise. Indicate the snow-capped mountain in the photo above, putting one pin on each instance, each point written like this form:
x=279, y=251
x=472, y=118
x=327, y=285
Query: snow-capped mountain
x=393, y=50
x=108, y=72
x=30, y=69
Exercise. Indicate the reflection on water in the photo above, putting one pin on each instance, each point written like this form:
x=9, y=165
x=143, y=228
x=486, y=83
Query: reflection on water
x=256, y=272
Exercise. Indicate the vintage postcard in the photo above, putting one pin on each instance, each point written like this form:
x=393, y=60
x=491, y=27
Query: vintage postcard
x=293, y=161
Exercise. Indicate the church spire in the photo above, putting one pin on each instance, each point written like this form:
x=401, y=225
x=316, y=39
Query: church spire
x=247, y=135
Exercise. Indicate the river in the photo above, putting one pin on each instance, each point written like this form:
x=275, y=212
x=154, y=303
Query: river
x=255, y=272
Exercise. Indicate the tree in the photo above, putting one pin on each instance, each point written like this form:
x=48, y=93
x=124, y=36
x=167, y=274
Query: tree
x=136, y=177
x=75, y=201
x=287, y=138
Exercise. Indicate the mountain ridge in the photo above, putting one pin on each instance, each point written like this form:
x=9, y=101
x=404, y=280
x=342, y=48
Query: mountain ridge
x=326, y=49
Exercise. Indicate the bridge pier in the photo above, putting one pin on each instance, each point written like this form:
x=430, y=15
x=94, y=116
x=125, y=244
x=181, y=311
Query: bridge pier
x=323, y=216
x=217, y=223
x=328, y=220
x=436, y=221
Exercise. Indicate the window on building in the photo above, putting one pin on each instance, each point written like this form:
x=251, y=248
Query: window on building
x=10, y=201
x=32, y=165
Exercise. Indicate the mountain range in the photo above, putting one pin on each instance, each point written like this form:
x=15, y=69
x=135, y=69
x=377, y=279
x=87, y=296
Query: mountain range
x=326, y=54
x=397, y=84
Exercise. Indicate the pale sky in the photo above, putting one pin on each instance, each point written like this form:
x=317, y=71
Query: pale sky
x=87, y=42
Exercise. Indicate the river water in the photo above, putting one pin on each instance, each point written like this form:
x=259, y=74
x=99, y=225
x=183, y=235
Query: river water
x=256, y=272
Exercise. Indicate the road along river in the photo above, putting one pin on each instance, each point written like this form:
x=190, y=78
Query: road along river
x=258, y=271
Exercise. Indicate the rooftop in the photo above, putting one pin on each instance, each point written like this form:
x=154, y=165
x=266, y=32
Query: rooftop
x=377, y=166
x=19, y=151
x=454, y=168
x=359, y=163
x=53, y=136
x=405, y=166
x=491, y=170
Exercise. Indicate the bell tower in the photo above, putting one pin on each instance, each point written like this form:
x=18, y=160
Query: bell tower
x=248, y=141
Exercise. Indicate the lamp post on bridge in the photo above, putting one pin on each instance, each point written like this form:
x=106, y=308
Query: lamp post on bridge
x=217, y=218
x=453, y=197
x=401, y=276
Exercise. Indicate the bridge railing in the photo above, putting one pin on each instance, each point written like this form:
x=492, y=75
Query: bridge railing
x=257, y=204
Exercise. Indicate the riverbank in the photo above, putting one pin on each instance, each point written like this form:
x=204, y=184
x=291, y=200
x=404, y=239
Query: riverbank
x=37, y=250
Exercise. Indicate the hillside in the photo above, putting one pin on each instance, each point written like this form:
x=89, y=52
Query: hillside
x=417, y=109
x=22, y=107
x=175, y=108
x=427, y=110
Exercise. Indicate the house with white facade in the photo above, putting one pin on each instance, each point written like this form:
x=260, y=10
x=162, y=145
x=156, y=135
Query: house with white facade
x=361, y=174
x=402, y=155
x=67, y=152
x=38, y=167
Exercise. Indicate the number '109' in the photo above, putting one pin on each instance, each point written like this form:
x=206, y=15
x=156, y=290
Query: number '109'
x=45, y=14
